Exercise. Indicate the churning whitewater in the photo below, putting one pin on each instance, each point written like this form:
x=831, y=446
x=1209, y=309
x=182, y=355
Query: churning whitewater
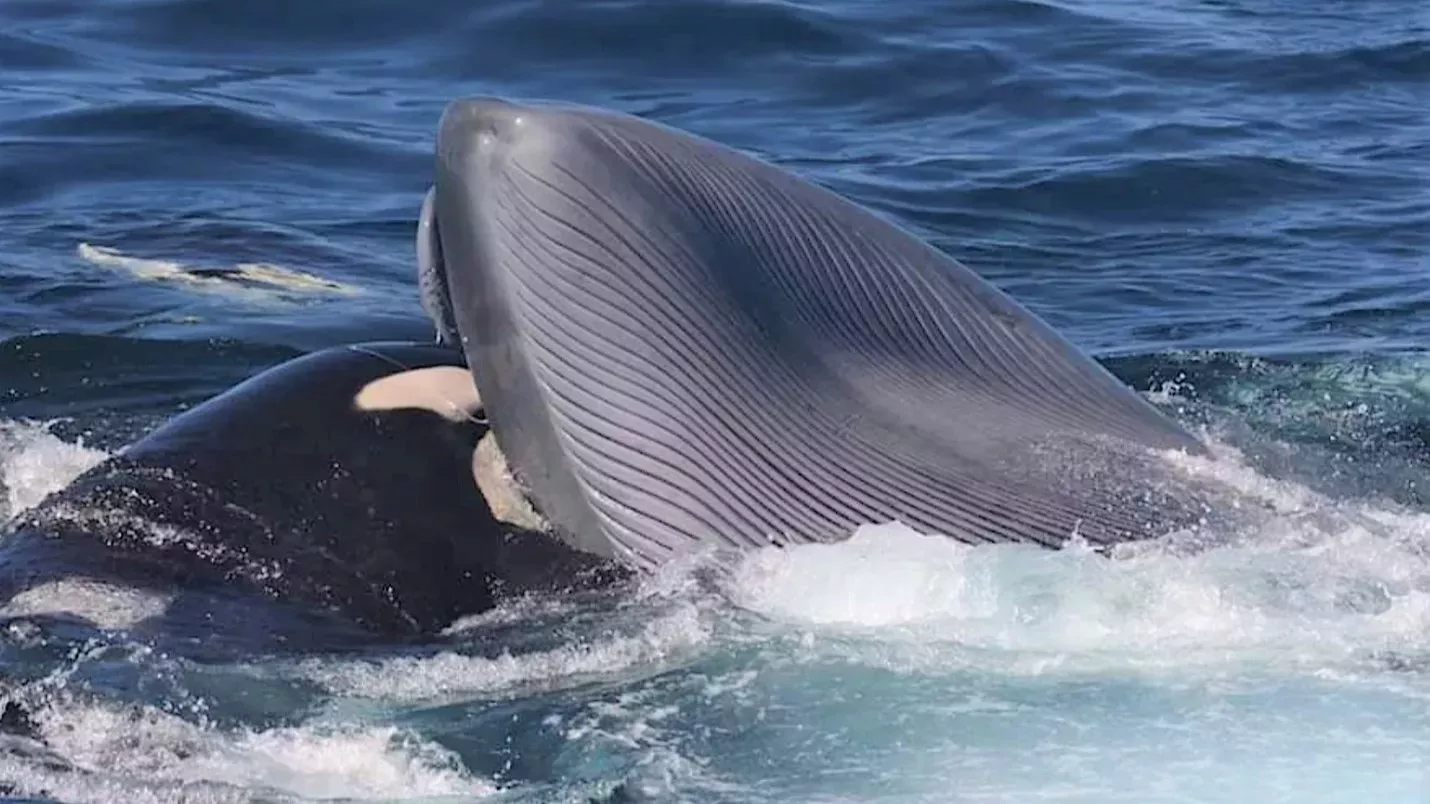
x=905, y=666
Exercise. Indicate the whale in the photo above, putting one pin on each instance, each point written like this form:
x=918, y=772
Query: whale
x=685, y=347
x=338, y=499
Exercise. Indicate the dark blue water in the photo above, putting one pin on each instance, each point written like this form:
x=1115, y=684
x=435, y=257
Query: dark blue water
x=1226, y=200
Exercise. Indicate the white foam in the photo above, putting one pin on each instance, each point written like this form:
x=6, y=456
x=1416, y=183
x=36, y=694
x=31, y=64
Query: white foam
x=339, y=762
x=884, y=575
x=35, y=463
x=1317, y=584
x=454, y=676
x=123, y=754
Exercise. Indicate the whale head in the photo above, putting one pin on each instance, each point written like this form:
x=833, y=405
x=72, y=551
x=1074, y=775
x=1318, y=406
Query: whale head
x=681, y=346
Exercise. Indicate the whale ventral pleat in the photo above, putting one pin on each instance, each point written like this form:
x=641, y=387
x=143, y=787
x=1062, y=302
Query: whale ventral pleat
x=681, y=345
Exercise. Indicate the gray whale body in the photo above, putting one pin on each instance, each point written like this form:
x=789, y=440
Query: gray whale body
x=681, y=345
x=328, y=501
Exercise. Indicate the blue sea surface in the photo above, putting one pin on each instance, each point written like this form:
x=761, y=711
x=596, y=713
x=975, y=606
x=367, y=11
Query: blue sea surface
x=1226, y=201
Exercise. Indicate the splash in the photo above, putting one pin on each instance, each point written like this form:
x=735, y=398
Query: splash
x=35, y=463
x=101, y=752
x=1318, y=583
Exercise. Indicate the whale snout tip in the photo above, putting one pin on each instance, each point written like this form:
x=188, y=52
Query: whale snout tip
x=482, y=125
x=477, y=112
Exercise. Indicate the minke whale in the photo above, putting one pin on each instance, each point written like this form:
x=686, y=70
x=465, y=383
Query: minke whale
x=681, y=346
x=343, y=496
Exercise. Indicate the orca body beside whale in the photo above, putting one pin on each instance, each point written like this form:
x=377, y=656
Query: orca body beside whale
x=332, y=499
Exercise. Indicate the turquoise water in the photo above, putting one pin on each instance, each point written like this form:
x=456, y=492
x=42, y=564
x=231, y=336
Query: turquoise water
x=1227, y=202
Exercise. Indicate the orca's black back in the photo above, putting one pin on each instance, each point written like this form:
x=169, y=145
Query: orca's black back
x=281, y=485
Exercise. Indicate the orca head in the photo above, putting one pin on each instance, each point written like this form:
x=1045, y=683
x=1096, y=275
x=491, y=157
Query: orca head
x=352, y=473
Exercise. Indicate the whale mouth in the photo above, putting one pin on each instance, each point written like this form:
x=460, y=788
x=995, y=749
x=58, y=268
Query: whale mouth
x=432, y=287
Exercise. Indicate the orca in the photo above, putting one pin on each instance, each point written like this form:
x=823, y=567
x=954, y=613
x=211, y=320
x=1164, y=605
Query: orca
x=680, y=345
x=331, y=500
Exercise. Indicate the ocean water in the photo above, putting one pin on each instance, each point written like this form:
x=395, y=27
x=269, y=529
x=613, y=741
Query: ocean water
x=1227, y=201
